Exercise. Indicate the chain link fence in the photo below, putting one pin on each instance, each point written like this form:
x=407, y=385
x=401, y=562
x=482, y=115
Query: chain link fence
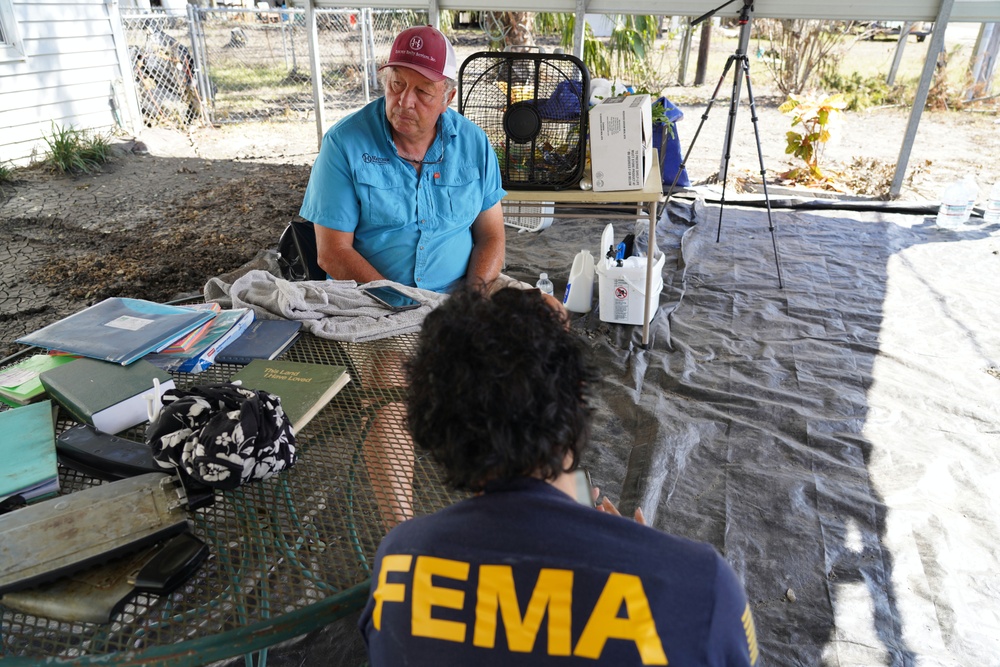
x=164, y=70
x=225, y=65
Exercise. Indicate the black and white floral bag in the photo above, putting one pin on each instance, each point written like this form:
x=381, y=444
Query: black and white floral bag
x=221, y=435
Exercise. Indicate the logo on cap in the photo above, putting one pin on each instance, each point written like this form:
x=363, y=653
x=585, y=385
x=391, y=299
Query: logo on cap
x=416, y=43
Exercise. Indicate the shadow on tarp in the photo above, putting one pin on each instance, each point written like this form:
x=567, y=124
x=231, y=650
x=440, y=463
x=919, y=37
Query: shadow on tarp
x=835, y=439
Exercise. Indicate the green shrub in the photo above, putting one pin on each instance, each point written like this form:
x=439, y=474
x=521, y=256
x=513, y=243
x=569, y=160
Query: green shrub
x=6, y=178
x=6, y=173
x=861, y=92
x=75, y=151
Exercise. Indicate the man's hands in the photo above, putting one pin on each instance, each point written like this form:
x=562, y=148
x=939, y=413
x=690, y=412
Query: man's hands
x=605, y=505
x=336, y=255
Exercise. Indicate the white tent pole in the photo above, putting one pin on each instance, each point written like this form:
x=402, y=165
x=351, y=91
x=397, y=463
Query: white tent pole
x=367, y=27
x=984, y=60
x=315, y=71
x=433, y=14
x=578, y=28
x=930, y=64
x=132, y=118
x=904, y=32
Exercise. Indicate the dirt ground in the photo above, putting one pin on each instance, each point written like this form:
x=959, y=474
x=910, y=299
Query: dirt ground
x=175, y=208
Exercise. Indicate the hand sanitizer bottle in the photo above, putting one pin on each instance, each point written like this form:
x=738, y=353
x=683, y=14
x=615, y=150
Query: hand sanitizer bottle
x=544, y=284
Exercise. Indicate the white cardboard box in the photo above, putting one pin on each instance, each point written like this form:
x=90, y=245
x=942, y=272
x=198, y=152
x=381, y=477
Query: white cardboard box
x=621, y=142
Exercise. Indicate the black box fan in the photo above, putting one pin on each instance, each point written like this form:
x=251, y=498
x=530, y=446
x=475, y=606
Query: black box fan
x=533, y=107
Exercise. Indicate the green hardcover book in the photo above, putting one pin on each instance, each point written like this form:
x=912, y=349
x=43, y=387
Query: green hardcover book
x=28, y=451
x=109, y=396
x=19, y=384
x=303, y=388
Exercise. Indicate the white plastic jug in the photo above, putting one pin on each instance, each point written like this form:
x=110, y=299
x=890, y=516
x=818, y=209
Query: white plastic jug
x=580, y=288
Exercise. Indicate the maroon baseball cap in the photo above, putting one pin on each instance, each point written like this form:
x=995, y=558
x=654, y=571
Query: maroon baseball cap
x=426, y=50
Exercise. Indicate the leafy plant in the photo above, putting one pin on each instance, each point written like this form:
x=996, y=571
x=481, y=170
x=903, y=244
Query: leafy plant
x=861, y=92
x=6, y=173
x=6, y=177
x=817, y=119
x=626, y=53
x=75, y=151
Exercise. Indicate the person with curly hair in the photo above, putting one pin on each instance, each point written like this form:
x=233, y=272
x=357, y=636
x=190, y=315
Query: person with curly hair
x=526, y=571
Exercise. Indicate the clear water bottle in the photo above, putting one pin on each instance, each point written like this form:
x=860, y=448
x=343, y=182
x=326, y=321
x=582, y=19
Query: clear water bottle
x=954, y=200
x=971, y=191
x=992, y=213
x=544, y=284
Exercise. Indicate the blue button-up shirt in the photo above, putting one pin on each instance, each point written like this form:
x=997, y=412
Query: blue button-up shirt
x=415, y=230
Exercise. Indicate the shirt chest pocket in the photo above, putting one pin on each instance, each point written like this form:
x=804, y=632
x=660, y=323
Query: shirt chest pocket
x=384, y=199
x=460, y=194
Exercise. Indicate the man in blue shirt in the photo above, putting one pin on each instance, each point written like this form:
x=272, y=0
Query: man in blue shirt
x=407, y=188
x=528, y=572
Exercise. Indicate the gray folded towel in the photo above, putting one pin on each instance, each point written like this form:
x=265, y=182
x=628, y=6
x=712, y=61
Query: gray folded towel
x=332, y=309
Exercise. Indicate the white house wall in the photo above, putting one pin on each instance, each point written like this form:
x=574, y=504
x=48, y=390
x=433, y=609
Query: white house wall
x=71, y=75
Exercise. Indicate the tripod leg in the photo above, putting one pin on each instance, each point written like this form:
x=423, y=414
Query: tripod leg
x=704, y=117
x=763, y=175
x=734, y=104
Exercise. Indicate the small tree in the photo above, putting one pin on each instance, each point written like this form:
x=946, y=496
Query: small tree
x=799, y=47
x=817, y=120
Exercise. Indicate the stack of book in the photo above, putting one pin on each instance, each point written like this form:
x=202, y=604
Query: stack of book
x=108, y=364
x=20, y=384
x=110, y=397
x=28, y=451
x=119, y=330
x=228, y=326
x=188, y=340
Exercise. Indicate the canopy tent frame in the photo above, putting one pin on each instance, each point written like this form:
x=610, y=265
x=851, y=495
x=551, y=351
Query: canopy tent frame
x=938, y=11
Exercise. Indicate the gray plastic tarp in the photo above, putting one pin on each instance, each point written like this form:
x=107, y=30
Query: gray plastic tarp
x=836, y=439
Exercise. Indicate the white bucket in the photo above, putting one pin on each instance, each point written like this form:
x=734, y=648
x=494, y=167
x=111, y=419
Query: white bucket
x=621, y=288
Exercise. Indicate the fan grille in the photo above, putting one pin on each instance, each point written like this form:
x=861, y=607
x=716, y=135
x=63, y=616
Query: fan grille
x=533, y=109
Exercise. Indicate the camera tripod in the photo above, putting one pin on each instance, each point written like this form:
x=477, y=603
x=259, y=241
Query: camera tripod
x=740, y=64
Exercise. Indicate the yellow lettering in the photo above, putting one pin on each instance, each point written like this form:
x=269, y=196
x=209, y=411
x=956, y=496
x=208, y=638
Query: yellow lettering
x=553, y=590
x=637, y=626
x=387, y=592
x=751, y=632
x=426, y=596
